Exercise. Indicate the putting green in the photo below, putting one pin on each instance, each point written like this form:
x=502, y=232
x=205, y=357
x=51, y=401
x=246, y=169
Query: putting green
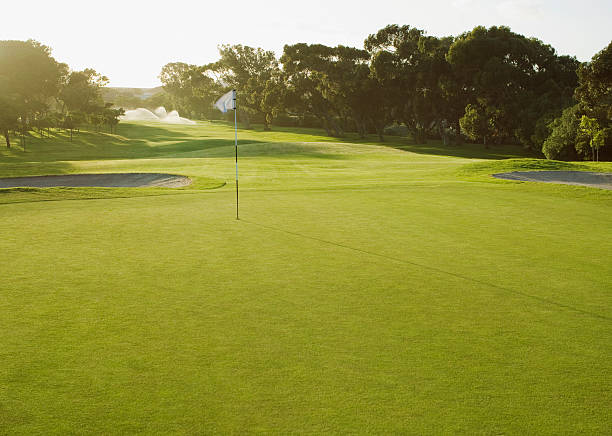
x=366, y=289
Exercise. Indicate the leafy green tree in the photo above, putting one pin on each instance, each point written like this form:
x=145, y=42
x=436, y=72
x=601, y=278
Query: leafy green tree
x=335, y=85
x=111, y=116
x=476, y=123
x=416, y=78
x=520, y=78
x=561, y=143
x=583, y=130
x=192, y=89
x=252, y=72
x=590, y=128
x=9, y=111
x=595, y=95
x=29, y=78
x=309, y=90
x=206, y=90
x=359, y=95
x=595, y=85
x=176, y=78
x=81, y=91
x=273, y=97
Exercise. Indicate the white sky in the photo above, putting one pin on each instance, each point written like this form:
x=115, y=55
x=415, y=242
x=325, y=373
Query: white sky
x=130, y=40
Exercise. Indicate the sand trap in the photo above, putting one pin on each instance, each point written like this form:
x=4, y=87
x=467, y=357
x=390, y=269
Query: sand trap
x=581, y=178
x=122, y=180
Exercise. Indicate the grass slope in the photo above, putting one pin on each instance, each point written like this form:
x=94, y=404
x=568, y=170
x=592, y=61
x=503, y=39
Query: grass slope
x=367, y=289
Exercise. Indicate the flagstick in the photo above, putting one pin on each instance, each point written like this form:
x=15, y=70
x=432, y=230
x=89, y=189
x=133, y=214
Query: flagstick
x=236, y=149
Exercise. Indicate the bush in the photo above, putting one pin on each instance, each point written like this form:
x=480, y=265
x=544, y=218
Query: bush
x=561, y=143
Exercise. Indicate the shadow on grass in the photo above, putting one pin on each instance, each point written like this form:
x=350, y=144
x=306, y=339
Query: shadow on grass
x=145, y=141
x=468, y=151
x=135, y=142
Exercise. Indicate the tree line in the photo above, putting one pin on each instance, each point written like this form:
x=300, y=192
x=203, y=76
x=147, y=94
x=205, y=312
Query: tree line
x=488, y=85
x=38, y=93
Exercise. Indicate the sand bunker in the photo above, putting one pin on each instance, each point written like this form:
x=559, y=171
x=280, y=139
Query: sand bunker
x=123, y=180
x=159, y=115
x=581, y=178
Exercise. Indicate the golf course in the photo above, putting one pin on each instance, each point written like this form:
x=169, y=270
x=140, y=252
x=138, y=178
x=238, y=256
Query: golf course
x=368, y=288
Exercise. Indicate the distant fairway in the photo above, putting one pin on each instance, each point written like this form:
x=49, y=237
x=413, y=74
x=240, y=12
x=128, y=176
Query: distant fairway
x=368, y=288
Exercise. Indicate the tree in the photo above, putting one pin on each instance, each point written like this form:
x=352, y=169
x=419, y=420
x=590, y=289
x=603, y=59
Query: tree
x=192, y=89
x=29, y=78
x=518, y=78
x=253, y=72
x=335, y=85
x=413, y=70
x=81, y=91
x=9, y=111
x=590, y=128
x=309, y=90
x=561, y=143
x=595, y=85
x=73, y=120
x=111, y=117
x=477, y=124
x=272, y=97
x=585, y=128
x=206, y=89
x=595, y=95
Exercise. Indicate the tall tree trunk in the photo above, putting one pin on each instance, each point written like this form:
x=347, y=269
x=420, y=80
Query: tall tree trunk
x=332, y=126
x=416, y=135
x=7, y=137
x=361, y=128
x=267, y=117
x=326, y=125
x=337, y=128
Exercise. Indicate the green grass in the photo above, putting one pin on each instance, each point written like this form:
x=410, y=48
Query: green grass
x=368, y=288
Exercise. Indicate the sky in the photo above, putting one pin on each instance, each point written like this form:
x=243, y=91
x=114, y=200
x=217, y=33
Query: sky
x=129, y=41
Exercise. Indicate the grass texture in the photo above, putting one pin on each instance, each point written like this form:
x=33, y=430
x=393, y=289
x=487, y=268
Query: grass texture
x=368, y=289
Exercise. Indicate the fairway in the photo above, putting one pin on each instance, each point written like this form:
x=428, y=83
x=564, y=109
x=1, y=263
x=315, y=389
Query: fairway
x=368, y=288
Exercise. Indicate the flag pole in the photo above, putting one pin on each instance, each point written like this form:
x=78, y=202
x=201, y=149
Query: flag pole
x=236, y=149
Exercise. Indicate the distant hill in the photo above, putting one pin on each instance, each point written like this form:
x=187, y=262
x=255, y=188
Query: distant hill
x=142, y=93
x=131, y=98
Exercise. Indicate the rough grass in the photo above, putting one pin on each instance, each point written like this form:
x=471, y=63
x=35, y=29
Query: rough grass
x=367, y=289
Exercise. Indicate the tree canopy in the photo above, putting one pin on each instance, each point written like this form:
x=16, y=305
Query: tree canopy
x=487, y=85
x=36, y=91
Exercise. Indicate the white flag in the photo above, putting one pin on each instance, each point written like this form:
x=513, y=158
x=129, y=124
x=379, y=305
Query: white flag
x=227, y=102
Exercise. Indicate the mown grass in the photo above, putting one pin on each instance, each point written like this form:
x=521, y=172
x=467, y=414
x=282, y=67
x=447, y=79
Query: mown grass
x=367, y=288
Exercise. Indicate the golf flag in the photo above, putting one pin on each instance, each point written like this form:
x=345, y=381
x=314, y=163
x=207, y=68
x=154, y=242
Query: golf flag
x=224, y=104
x=227, y=102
